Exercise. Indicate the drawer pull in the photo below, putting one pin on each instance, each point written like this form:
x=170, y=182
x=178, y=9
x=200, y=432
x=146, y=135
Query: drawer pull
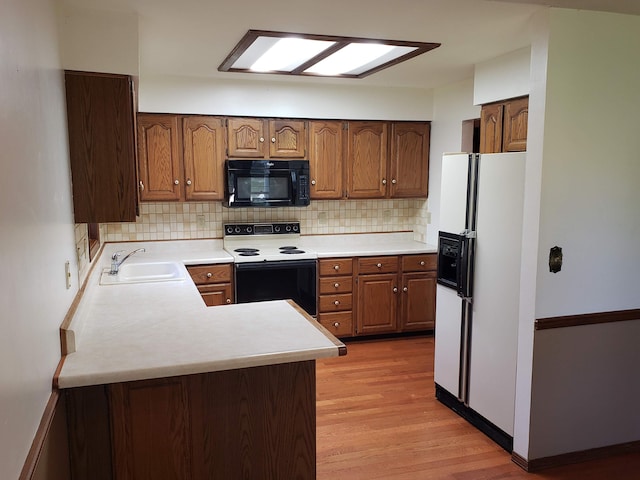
x=336, y=285
x=379, y=265
x=336, y=324
x=336, y=267
x=209, y=274
x=337, y=302
x=228, y=300
x=422, y=263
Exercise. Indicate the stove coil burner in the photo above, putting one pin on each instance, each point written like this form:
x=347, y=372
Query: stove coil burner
x=291, y=250
x=247, y=252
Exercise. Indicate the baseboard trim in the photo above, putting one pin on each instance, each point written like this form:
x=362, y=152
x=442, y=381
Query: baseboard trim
x=587, y=319
x=537, y=464
x=31, y=462
x=492, y=431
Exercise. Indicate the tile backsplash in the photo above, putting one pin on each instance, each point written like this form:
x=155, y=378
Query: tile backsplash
x=179, y=221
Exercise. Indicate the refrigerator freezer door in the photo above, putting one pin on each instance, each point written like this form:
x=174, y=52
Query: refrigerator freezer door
x=453, y=196
x=447, y=333
x=494, y=333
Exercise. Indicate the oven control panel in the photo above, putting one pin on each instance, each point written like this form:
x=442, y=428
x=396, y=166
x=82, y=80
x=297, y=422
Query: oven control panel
x=231, y=229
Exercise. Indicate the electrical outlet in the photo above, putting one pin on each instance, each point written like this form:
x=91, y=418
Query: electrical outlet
x=200, y=221
x=322, y=218
x=67, y=273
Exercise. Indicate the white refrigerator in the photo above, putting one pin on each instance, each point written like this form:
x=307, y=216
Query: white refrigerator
x=477, y=299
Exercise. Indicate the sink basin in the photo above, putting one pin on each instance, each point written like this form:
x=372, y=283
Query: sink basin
x=144, y=273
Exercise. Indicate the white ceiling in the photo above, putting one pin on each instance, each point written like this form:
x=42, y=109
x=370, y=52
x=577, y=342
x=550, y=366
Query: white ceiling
x=192, y=37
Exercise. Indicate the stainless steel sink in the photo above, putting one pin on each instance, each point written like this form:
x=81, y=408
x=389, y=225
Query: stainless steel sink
x=144, y=273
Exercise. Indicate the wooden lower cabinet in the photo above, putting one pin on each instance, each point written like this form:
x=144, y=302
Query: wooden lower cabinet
x=395, y=294
x=214, y=282
x=255, y=422
x=335, y=297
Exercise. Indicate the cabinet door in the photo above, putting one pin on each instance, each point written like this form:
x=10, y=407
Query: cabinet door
x=326, y=159
x=491, y=128
x=377, y=303
x=287, y=139
x=367, y=160
x=159, y=157
x=101, y=123
x=217, y=294
x=203, y=148
x=151, y=432
x=418, y=306
x=516, y=117
x=409, y=159
x=246, y=138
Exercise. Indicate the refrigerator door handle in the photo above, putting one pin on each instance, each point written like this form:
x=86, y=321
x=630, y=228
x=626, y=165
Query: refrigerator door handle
x=465, y=268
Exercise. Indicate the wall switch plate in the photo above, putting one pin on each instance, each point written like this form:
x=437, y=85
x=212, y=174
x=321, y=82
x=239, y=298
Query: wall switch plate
x=67, y=274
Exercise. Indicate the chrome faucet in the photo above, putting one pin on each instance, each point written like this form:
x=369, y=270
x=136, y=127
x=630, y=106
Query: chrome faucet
x=115, y=264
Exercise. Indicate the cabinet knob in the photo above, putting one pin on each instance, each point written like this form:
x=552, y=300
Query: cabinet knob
x=176, y=182
x=189, y=182
x=405, y=289
x=313, y=182
x=273, y=139
x=384, y=181
x=336, y=324
x=336, y=267
x=379, y=265
x=394, y=181
x=141, y=185
x=228, y=300
x=336, y=285
x=209, y=275
x=261, y=139
x=395, y=289
x=336, y=303
x=422, y=263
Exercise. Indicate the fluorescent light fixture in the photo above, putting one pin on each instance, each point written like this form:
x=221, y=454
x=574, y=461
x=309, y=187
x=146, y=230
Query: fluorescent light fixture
x=289, y=53
x=318, y=55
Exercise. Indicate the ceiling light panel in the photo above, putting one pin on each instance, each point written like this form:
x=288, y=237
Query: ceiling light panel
x=313, y=55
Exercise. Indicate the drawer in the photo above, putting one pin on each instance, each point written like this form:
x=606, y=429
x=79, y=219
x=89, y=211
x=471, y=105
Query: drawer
x=388, y=264
x=336, y=266
x=339, y=324
x=419, y=263
x=336, y=285
x=334, y=303
x=206, y=274
x=219, y=294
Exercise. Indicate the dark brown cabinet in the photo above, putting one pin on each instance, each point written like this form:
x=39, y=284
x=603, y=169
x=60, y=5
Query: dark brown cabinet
x=418, y=292
x=409, y=159
x=335, y=295
x=203, y=147
x=503, y=126
x=101, y=123
x=367, y=154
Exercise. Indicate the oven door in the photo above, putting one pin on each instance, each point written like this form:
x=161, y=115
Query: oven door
x=282, y=280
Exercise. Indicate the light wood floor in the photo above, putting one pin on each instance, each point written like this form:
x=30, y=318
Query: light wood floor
x=377, y=418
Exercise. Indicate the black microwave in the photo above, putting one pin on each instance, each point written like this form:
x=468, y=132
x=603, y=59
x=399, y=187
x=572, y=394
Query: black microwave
x=266, y=183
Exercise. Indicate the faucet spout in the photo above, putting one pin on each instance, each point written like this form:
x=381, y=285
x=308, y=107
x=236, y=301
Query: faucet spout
x=115, y=262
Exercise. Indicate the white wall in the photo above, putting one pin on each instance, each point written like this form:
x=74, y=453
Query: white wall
x=173, y=94
x=98, y=41
x=452, y=105
x=36, y=221
x=585, y=379
x=506, y=76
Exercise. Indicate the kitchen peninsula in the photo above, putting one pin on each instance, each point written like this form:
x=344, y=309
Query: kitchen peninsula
x=158, y=385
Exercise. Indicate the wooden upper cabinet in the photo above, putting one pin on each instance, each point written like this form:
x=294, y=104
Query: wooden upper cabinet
x=409, y=159
x=287, y=139
x=261, y=138
x=516, y=118
x=203, y=154
x=159, y=163
x=326, y=159
x=491, y=128
x=367, y=160
x=101, y=123
x=503, y=126
x=246, y=137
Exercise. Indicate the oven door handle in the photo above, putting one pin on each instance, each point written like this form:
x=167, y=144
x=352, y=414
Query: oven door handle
x=275, y=265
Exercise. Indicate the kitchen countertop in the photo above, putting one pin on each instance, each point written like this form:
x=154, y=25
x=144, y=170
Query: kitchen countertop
x=138, y=331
